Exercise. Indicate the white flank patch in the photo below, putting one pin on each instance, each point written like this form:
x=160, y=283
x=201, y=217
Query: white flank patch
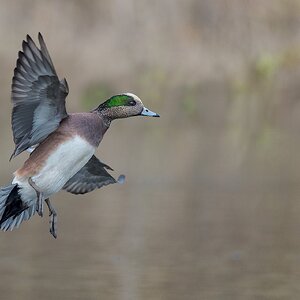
x=61, y=165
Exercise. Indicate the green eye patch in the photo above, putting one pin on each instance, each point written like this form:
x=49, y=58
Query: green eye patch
x=120, y=100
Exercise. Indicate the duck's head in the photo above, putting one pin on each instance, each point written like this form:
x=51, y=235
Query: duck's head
x=123, y=106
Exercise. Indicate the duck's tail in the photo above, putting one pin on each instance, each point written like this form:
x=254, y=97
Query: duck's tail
x=13, y=211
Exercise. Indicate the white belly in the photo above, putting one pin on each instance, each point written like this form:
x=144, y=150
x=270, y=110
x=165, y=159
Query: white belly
x=60, y=166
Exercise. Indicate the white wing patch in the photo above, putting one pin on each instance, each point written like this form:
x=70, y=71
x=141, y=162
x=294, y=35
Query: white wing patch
x=31, y=149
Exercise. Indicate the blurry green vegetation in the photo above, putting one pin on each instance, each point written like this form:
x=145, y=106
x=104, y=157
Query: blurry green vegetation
x=152, y=82
x=266, y=66
x=189, y=102
x=263, y=71
x=255, y=102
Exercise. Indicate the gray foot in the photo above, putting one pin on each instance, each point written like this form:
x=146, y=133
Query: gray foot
x=53, y=218
x=39, y=203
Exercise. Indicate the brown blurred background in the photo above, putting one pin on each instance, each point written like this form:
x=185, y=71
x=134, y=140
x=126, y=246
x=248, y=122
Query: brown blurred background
x=211, y=204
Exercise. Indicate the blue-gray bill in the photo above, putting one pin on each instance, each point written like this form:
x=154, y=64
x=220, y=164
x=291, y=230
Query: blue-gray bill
x=149, y=113
x=121, y=179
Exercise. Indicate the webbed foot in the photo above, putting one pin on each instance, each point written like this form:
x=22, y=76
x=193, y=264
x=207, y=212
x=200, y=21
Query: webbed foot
x=53, y=218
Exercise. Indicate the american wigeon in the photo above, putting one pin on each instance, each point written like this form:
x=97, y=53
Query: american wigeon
x=62, y=145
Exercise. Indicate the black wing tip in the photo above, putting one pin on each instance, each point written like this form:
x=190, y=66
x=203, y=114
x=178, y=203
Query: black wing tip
x=108, y=167
x=13, y=155
x=21, y=58
x=24, y=44
x=28, y=44
x=41, y=39
x=29, y=40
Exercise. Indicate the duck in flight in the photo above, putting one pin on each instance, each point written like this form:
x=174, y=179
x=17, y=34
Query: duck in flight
x=62, y=145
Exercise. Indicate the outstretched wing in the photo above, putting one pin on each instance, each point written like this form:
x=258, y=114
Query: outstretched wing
x=38, y=96
x=92, y=176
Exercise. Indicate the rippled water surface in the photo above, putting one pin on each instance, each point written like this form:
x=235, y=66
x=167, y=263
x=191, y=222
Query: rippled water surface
x=183, y=243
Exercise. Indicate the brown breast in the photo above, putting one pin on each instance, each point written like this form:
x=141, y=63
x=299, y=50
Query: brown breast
x=87, y=125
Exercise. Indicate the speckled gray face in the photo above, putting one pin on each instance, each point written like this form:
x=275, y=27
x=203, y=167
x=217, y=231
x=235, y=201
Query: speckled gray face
x=124, y=106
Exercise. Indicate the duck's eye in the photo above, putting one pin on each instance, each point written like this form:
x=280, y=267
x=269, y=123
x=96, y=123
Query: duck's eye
x=132, y=103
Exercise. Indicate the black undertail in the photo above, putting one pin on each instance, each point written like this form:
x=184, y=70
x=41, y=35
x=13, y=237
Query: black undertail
x=13, y=205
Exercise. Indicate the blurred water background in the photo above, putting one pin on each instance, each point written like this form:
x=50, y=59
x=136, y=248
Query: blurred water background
x=211, y=204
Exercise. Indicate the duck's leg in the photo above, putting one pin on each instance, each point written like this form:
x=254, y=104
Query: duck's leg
x=39, y=204
x=53, y=218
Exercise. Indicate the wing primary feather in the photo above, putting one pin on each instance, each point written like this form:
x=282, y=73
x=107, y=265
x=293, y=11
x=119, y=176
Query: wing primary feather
x=37, y=94
x=31, y=54
x=45, y=50
x=33, y=47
